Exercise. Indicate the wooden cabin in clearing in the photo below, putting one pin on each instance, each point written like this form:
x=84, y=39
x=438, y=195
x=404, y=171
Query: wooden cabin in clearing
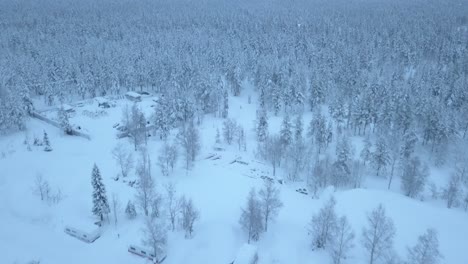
x=133, y=96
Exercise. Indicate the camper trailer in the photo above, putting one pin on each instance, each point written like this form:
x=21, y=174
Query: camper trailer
x=145, y=253
x=81, y=235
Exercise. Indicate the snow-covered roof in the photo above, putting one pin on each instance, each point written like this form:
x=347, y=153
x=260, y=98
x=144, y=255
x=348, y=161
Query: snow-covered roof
x=133, y=94
x=67, y=107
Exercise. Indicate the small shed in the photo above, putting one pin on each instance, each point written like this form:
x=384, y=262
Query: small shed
x=133, y=96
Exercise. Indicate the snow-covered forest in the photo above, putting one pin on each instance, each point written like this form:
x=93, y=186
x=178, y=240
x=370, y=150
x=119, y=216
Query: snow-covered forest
x=206, y=131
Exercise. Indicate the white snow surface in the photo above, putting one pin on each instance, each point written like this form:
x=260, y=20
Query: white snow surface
x=33, y=230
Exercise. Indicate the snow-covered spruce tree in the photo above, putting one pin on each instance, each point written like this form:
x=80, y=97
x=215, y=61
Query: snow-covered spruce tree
x=225, y=111
x=298, y=128
x=380, y=157
x=123, y=158
x=12, y=110
x=130, y=210
x=338, y=112
x=262, y=126
x=189, y=215
x=100, y=202
x=270, y=202
x=276, y=98
x=162, y=118
x=426, y=251
x=262, y=98
x=323, y=225
x=234, y=81
x=342, y=241
x=46, y=142
x=410, y=139
x=341, y=170
x=251, y=218
x=317, y=131
x=317, y=93
x=287, y=98
x=414, y=177
x=190, y=141
x=329, y=134
x=286, y=136
x=64, y=121
x=366, y=154
x=155, y=237
x=377, y=237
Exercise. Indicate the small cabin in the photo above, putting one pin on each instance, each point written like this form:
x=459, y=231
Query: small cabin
x=133, y=96
x=81, y=235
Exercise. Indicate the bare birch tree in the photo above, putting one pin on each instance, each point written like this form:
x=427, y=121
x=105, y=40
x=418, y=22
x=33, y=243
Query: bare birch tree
x=342, y=241
x=155, y=237
x=377, y=238
x=123, y=158
x=251, y=217
x=270, y=202
x=323, y=224
x=189, y=216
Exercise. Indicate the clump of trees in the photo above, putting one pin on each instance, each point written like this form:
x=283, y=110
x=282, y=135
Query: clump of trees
x=45, y=192
x=260, y=211
x=334, y=234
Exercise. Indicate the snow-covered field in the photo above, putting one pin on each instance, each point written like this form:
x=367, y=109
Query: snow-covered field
x=31, y=229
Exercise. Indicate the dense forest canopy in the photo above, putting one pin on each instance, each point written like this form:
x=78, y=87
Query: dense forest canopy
x=381, y=65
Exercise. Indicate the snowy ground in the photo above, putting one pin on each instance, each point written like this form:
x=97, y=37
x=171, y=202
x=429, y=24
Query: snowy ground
x=31, y=229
